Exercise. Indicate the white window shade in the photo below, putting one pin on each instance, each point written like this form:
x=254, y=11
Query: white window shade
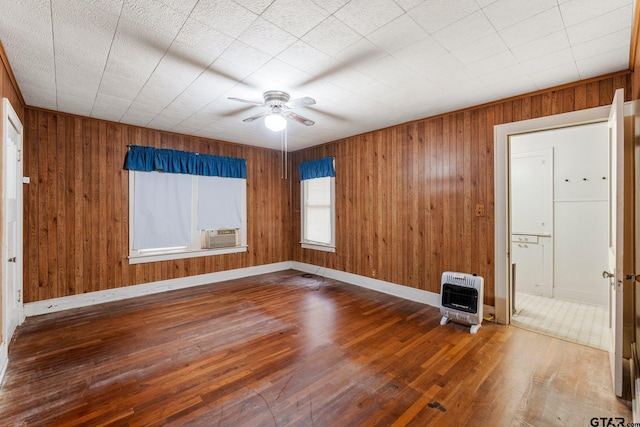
x=318, y=210
x=162, y=210
x=221, y=202
x=318, y=225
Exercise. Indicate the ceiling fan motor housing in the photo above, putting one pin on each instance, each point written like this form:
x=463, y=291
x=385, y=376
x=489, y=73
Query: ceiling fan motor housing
x=279, y=104
x=275, y=98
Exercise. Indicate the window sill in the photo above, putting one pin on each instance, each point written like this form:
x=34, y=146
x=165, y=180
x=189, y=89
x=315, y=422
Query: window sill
x=141, y=259
x=318, y=247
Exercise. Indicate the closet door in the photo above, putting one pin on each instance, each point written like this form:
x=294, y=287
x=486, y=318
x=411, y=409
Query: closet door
x=532, y=221
x=532, y=192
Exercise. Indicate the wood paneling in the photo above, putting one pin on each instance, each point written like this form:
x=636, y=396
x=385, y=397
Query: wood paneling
x=406, y=196
x=9, y=87
x=286, y=350
x=77, y=206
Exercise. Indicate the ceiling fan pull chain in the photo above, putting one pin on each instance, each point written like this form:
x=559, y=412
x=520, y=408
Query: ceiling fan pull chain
x=285, y=154
x=282, y=153
x=284, y=147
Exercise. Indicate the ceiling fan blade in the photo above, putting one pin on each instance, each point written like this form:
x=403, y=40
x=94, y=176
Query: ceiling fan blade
x=236, y=112
x=261, y=104
x=257, y=116
x=129, y=32
x=300, y=102
x=330, y=115
x=298, y=118
x=350, y=63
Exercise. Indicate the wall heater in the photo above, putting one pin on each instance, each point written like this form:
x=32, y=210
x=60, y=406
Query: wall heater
x=462, y=299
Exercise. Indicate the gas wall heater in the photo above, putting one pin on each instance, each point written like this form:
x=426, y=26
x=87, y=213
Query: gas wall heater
x=462, y=299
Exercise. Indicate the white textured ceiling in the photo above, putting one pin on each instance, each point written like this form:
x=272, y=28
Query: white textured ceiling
x=171, y=64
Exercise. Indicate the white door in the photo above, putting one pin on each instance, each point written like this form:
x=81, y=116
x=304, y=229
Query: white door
x=12, y=205
x=531, y=174
x=616, y=234
x=531, y=192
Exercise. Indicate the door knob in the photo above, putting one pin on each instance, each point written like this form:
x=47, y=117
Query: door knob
x=606, y=275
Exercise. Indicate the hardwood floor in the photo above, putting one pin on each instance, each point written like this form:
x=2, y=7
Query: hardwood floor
x=282, y=349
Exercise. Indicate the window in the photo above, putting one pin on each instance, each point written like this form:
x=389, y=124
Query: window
x=176, y=213
x=318, y=204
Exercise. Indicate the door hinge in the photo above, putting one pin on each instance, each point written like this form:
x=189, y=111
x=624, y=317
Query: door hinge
x=19, y=155
x=19, y=295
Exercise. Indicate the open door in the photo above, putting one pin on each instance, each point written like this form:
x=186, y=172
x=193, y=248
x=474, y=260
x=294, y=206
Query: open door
x=12, y=222
x=616, y=237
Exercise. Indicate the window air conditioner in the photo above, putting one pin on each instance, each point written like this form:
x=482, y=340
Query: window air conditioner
x=221, y=238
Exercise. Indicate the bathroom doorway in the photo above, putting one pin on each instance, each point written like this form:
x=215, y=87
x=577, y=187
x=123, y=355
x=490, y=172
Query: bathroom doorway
x=558, y=193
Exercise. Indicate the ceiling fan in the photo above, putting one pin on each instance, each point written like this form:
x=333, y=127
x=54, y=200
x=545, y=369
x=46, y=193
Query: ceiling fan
x=279, y=107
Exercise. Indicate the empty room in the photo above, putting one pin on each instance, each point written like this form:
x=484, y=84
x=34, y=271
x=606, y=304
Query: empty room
x=319, y=213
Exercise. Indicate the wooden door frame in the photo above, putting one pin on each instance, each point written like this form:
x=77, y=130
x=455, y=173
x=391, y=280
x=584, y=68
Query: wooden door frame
x=631, y=113
x=10, y=118
x=501, y=191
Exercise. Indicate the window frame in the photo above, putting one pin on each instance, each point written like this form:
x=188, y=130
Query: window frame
x=140, y=256
x=310, y=244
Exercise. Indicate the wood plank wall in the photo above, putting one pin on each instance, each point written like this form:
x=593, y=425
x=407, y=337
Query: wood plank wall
x=406, y=195
x=76, y=207
x=9, y=87
x=406, y=198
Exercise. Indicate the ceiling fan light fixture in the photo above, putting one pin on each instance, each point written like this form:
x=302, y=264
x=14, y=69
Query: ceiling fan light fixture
x=275, y=122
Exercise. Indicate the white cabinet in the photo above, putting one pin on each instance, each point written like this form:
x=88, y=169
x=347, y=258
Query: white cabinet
x=533, y=257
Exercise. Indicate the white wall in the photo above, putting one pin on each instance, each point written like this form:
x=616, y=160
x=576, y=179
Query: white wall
x=580, y=207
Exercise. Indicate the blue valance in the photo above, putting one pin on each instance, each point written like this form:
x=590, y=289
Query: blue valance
x=148, y=159
x=317, y=168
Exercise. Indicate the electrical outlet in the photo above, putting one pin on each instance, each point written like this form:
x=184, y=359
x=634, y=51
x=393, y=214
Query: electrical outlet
x=479, y=210
x=373, y=273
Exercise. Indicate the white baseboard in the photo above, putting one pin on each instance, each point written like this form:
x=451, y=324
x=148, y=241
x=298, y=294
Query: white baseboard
x=75, y=301
x=99, y=297
x=405, y=292
x=400, y=291
x=4, y=360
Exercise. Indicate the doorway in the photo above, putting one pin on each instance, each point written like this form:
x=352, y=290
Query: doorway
x=502, y=231
x=619, y=211
x=12, y=227
x=558, y=195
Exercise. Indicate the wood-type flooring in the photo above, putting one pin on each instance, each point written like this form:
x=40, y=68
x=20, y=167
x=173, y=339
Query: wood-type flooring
x=292, y=349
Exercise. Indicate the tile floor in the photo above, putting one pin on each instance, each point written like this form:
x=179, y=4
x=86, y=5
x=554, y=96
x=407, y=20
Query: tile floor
x=571, y=321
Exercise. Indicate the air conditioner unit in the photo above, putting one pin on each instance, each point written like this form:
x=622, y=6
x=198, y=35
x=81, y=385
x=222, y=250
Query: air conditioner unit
x=220, y=238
